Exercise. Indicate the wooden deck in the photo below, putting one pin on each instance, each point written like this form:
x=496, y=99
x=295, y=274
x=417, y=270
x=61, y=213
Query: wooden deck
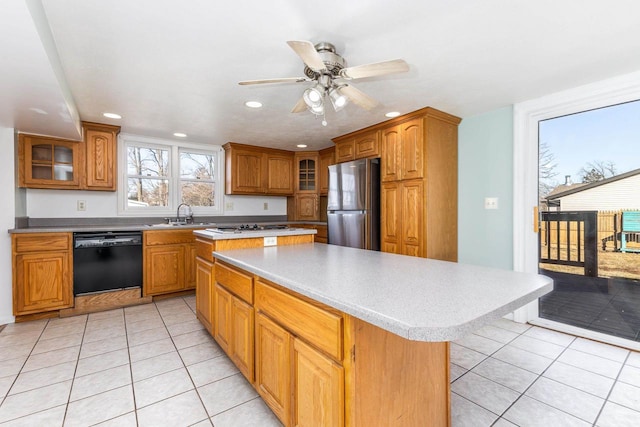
x=610, y=306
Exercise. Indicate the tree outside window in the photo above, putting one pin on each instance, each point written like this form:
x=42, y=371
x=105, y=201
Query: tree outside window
x=197, y=172
x=147, y=176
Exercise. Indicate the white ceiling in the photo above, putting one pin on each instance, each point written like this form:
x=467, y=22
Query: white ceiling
x=173, y=66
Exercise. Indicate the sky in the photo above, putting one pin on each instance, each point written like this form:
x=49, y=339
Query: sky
x=609, y=134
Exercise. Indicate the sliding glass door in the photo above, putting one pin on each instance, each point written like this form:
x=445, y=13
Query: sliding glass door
x=589, y=236
x=576, y=204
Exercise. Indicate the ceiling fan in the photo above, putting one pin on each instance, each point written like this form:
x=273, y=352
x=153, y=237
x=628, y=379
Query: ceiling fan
x=331, y=76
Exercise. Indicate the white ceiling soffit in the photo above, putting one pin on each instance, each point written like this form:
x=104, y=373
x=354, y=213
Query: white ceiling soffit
x=173, y=66
x=35, y=96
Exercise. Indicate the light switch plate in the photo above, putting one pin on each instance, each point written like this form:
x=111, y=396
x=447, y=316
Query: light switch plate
x=491, y=203
x=270, y=241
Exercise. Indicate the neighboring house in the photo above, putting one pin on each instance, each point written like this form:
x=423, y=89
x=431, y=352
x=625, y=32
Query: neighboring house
x=620, y=192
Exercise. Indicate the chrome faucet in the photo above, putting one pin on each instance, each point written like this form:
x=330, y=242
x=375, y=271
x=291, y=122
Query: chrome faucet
x=188, y=216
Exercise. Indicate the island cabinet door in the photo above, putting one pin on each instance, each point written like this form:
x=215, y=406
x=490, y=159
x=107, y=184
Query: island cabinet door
x=318, y=384
x=242, y=337
x=204, y=282
x=273, y=366
x=222, y=320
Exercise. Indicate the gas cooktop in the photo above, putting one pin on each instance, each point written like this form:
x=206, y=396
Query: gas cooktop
x=246, y=227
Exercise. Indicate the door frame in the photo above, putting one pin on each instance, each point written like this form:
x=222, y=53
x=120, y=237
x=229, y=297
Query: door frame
x=526, y=117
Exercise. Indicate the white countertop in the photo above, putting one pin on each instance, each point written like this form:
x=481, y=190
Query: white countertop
x=248, y=234
x=416, y=298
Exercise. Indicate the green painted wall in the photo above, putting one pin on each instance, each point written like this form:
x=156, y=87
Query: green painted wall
x=485, y=169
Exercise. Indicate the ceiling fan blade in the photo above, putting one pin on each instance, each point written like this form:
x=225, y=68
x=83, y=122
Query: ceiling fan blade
x=300, y=106
x=376, y=69
x=308, y=54
x=358, y=97
x=283, y=80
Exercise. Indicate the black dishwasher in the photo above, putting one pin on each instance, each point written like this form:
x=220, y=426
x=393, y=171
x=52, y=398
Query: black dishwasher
x=105, y=261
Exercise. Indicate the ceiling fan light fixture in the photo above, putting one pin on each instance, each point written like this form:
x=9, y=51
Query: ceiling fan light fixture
x=313, y=96
x=318, y=110
x=338, y=99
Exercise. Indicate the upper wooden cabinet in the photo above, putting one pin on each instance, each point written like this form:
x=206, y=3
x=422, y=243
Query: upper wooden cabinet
x=326, y=159
x=279, y=173
x=90, y=164
x=46, y=162
x=357, y=145
x=258, y=171
x=306, y=172
x=42, y=272
x=345, y=150
x=100, y=156
x=403, y=151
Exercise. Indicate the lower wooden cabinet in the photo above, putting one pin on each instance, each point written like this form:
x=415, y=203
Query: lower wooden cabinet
x=204, y=293
x=222, y=317
x=42, y=272
x=299, y=351
x=233, y=322
x=273, y=367
x=164, y=270
x=169, y=261
x=318, y=384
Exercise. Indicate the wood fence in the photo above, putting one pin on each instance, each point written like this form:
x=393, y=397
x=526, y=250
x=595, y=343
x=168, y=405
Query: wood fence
x=608, y=231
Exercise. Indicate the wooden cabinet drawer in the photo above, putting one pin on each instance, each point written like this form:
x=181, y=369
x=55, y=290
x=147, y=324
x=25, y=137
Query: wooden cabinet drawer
x=204, y=249
x=168, y=237
x=235, y=281
x=40, y=242
x=310, y=322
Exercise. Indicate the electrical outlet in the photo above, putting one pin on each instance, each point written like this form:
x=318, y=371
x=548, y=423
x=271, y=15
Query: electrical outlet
x=270, y=241
x=266, y=206
x=229, y=206
x=491, y=203
x=82, y=205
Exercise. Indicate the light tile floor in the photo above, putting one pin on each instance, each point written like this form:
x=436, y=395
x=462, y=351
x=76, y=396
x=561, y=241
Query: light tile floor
x=154, y=365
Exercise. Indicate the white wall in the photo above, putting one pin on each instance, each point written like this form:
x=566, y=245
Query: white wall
x=63, y=204
x=7, y=221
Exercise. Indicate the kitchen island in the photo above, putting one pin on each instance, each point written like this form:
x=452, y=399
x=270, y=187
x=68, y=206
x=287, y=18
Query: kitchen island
x=351, y=337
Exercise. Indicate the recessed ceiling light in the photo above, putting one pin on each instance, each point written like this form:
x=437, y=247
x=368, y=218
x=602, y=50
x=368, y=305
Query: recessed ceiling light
x=112, y=115
x=180, y=134
x=253, y=104
x=301, y=145
x=392, y=114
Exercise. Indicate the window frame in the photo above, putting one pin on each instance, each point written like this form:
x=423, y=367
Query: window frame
x=174, y=199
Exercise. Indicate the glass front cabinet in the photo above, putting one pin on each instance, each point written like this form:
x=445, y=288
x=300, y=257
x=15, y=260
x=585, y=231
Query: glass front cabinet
x=48, y=162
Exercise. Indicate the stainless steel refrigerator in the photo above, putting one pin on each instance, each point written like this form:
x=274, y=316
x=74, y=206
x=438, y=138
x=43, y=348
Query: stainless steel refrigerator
x=353, y=204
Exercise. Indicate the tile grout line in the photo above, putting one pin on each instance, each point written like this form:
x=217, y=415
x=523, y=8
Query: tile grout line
x=20, y=372
x=66, y=408
x=536, y=380
x=615, y=382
